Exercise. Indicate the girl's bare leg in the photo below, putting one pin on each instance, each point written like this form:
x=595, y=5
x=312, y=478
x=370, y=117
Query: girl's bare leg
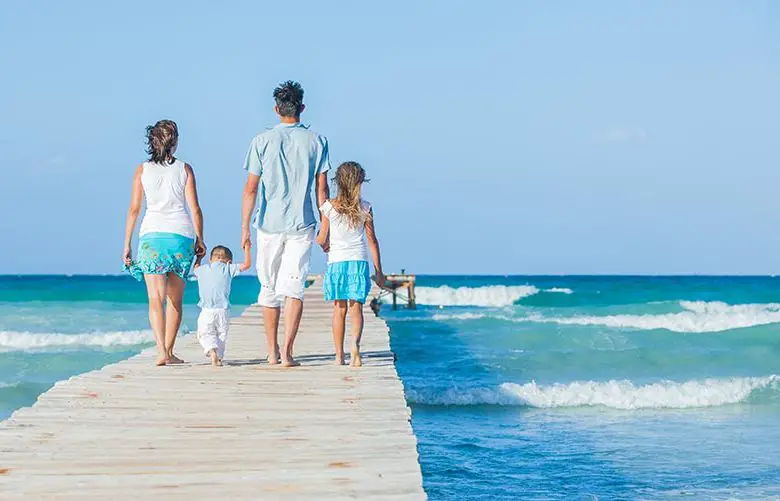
x=155, y=288
x=174, y=293
x=338, y=324
x=356, y=316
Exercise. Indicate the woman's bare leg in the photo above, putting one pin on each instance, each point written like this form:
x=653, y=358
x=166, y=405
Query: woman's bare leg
x=174, y=293
x=356, y=316
x=155, y=288
x=338, y=325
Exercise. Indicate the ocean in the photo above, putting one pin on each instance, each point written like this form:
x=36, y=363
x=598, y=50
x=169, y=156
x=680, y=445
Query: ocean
x=520, y=387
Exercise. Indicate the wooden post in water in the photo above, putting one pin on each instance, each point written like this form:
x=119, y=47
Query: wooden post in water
x=393, y=283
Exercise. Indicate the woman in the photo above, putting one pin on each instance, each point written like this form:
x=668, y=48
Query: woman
x=169, y=238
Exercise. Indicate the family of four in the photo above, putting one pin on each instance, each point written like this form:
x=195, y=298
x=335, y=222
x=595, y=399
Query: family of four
x=284, y=165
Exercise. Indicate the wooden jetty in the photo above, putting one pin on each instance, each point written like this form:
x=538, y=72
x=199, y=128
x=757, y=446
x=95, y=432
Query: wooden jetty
x=246, y=431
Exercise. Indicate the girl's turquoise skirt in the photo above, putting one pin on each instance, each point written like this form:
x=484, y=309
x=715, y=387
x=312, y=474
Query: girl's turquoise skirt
x=347, y=281
x=162, y=253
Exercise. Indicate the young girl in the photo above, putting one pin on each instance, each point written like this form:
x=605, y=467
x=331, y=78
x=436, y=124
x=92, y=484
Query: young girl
x=347, y=223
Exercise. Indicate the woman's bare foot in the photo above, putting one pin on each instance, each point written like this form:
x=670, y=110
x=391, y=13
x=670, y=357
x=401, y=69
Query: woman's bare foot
x=356, y=361
x=162, y=359
x=174, y=360
x=215, y=361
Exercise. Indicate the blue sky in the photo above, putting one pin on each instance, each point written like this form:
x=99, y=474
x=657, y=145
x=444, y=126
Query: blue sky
x=501, y=137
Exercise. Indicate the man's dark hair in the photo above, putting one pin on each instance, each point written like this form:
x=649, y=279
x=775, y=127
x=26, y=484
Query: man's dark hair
x=289, y=99
x=221, y=252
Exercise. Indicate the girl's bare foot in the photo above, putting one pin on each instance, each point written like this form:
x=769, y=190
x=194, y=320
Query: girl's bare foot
x=162, y=359
x=339, y=359
x=356, y=361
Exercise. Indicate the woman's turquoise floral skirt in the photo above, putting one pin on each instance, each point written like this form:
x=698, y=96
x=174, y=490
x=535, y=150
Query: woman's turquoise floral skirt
x=162, y=253
x=347, y=280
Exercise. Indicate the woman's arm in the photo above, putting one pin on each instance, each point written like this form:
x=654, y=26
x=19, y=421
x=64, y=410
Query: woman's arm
x=373, y=246
x=136, y=200
x=191, y=194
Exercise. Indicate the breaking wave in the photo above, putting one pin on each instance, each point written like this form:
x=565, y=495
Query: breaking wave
x=21, y=341
x=698, y=316
x=614, y=394
x=487, y=296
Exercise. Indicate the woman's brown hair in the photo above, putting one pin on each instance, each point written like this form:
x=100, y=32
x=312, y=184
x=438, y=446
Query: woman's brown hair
x=161, y=139
x=350, y=176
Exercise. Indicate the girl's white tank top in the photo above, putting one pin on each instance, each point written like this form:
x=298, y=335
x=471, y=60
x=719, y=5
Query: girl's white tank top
x=166, y=206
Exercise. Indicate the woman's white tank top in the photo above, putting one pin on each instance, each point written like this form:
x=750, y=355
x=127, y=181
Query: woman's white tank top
x=166, y=206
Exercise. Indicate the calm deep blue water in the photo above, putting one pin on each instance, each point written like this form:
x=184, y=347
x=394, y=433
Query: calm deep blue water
x=521, y=387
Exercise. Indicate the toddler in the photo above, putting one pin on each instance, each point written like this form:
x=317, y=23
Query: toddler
x=214, y=281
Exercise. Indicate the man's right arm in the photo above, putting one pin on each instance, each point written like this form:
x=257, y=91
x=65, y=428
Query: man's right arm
x=254, y=168
x=247, y=208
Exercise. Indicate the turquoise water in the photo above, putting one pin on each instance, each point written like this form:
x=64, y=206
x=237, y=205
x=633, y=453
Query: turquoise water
x=521, y=387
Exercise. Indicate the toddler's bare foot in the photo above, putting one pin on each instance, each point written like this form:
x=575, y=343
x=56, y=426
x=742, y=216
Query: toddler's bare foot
x=356, y=361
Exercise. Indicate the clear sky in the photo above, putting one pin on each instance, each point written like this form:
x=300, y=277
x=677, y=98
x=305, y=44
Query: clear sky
x=501, y=137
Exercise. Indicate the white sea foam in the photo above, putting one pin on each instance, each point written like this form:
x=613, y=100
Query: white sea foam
x=487, y=296
x=458, y=316
x=698, y=316
x=560, y=290
x=21, y=341
x=623, y=395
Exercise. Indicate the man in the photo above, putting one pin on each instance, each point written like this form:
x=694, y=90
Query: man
x=283, y=163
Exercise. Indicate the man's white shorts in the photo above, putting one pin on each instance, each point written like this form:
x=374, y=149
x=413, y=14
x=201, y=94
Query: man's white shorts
x=282, y=265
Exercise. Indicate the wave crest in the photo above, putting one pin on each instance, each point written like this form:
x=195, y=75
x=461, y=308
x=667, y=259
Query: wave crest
x=487, y=296
x=698, y=316
x=21, y=341
x=623, y=395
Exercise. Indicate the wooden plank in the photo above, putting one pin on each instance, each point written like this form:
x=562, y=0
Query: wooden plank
x=244, y=431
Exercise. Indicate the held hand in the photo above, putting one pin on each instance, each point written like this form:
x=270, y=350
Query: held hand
x=379, y=278
x=127, y=257
x=326, y=246
x=246, y=239
x=200, y=248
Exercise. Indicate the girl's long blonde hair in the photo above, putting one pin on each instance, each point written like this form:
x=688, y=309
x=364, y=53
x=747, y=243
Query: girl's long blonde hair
x=350, y=177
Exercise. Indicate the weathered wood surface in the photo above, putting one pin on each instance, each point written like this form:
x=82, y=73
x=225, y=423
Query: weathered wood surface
x=244, y=431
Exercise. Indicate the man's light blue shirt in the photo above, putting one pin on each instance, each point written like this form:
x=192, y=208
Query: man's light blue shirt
x=288, y=158
x=214, y=283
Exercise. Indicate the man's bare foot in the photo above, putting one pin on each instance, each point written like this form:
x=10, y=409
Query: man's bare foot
x=215, y=361
x=339, y=359
x=356, y=361
x=290, y=362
